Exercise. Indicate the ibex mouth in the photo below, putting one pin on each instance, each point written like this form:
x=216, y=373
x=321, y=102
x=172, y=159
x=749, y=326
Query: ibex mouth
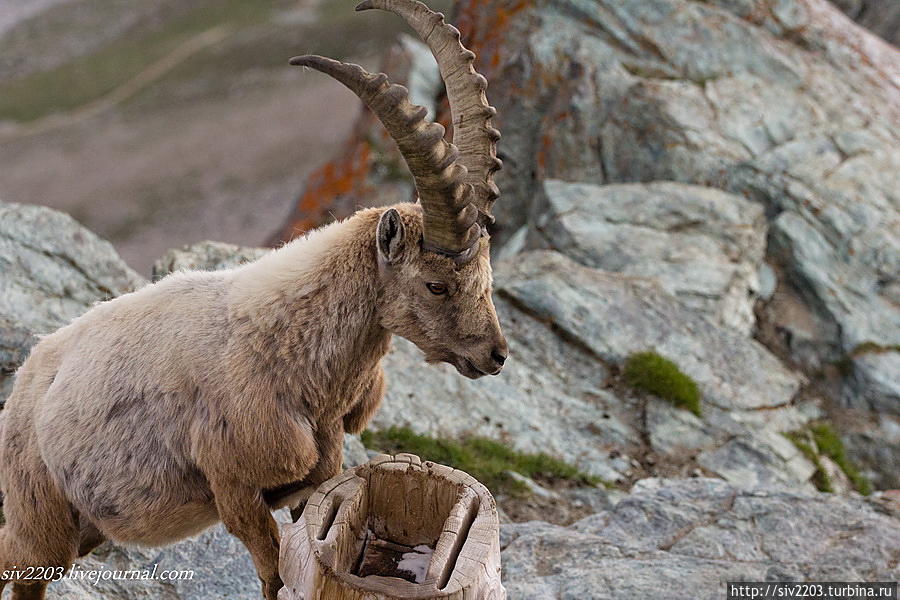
x=467, y=367
x=463, y=365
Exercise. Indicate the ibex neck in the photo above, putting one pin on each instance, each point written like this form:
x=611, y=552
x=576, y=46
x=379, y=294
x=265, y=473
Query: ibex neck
x=313, y=302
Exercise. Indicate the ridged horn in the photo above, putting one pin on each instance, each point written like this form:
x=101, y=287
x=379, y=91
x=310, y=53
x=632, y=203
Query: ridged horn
x=473, y=132
x=451, y=220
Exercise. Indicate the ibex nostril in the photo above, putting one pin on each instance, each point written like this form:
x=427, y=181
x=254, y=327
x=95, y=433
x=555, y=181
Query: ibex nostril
x=499, y=357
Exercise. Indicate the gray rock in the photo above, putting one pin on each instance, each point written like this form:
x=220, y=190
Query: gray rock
x=204, y=256
x=847, y=290
x=354, y=452
x=873, y=444
x=51, y=270
x=874, y=384
x=673, y=430
x=760, y=460
x=767, y=282
x=869, y=419
x=686, y=538
x=614, y=316
x=702, y=245
x=533, y=486
x=593, y=499
x=549, y=398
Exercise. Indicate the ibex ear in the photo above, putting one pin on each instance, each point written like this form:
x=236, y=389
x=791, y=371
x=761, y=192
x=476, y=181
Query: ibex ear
x=390, y=236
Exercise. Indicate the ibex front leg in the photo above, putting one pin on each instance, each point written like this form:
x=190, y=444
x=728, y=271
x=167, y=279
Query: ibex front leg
x=330, y=440
x=247, y=517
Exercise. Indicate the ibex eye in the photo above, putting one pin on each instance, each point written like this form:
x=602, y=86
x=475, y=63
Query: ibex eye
x=438, y=289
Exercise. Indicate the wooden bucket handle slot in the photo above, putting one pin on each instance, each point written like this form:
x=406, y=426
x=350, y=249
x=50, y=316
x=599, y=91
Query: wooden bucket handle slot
x=474, y=505
x=335, y=505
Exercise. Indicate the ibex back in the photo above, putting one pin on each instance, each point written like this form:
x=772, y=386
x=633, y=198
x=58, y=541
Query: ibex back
x=218, y=396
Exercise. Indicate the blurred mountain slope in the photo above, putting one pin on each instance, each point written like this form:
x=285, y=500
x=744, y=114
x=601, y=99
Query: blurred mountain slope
x=160, y=125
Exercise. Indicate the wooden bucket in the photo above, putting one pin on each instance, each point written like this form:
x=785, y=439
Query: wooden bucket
x=395, y=527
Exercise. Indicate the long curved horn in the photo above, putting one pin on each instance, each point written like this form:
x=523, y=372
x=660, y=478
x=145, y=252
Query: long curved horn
x=451, y=226
x=473, y=133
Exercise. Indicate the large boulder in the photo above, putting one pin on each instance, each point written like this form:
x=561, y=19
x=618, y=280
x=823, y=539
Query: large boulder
x=702, y=245
x=792, y=106
x=51, y=270
x=687, y=538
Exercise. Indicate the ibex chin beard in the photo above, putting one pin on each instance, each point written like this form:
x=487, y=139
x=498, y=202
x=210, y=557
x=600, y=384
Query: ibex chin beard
x=466, y=366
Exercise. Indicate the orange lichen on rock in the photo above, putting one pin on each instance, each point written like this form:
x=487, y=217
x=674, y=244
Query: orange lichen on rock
x=484, y=24
x=363, y=174
x=343, y=175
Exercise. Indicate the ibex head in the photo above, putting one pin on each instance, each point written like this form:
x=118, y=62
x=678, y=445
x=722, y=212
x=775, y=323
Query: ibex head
x=434, y=259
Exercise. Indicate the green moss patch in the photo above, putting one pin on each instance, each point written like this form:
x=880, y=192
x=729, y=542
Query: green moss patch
x=484, y=459
x=649, y=372
x=822, y=440
x=831, y=446
x=820, y=478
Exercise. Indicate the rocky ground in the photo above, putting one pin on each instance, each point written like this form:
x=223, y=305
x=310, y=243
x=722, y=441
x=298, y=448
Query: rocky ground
x=712, y=181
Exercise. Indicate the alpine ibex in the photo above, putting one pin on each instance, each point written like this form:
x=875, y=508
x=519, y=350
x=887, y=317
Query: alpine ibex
x=219, y=395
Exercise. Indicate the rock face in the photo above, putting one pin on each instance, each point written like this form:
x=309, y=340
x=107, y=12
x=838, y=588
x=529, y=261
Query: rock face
x=793, y=107
x=51, y=270
x=687, y=538
x=703, y=246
